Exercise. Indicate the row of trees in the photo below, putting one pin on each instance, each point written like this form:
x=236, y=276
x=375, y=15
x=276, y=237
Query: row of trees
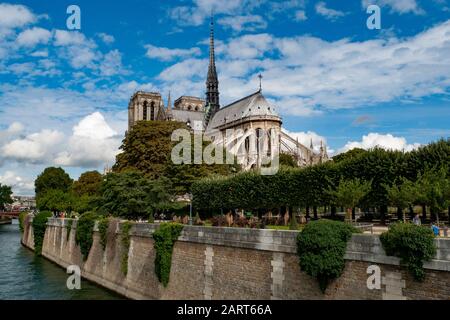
x=5, y=196
x=367, y=179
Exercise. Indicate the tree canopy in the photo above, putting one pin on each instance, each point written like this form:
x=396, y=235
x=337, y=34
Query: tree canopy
x=52, y=179
x=88, y=184
x=5, y=196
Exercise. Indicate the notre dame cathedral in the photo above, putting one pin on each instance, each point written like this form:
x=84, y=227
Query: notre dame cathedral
x=249, y=114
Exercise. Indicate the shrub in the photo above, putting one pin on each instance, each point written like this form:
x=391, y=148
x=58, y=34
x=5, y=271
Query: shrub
x=39, y=226
x=165, y=237
x=84, y=235
x=219, y=221
x=241, y=222
x=412, y=244
x=22, y=217
x=125, y=240
x=321, y=248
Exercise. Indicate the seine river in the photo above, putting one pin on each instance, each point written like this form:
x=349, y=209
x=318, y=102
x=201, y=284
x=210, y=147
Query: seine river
x=26, y=277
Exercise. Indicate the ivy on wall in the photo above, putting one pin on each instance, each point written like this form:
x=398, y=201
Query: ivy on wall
x=103, y=225
x=22, y=217
x=125, y=240
x=84, y=233
x=39, y=226
x=165, y=237
x=412, y=244
x=321, y=248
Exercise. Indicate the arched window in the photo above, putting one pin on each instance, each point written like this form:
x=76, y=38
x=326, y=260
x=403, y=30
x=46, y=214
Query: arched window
x=196, y=108
x=145, y=113
x=152, y=111
x=189, y=107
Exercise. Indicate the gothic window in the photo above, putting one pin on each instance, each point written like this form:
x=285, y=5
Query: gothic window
x=269, y=143
x=144, y=117
x=152, y=111
x=196, y=108
x=189, y=107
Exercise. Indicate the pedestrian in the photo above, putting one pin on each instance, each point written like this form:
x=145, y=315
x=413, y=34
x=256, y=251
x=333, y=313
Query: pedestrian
x=416, y=220
x=435, y=229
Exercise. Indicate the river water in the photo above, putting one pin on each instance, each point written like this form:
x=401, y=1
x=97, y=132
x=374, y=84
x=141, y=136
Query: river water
x=23, y=276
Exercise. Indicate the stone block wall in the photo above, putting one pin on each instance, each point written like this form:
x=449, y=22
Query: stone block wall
x=243, y=264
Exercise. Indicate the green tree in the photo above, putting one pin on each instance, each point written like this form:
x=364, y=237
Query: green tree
x=131, y=195
x=88, y=184
x=147, y=148
x=5, y=196
x=56, y=201
x=52, y=179
x=433, y=189
x=349, y=193
x=287, y=160
x=349, y=155
x=402, y=195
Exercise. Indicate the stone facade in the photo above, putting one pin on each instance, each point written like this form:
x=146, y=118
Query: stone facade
x=229, y=263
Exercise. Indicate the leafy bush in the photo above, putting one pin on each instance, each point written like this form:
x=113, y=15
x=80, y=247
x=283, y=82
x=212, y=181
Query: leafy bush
x=84, y=235
x=39, y=226
x=219, y=221
x=412, y=244
x=125, y=240
x=22, y=217
x=165, y=238
x=321, y=248
x=103, y=224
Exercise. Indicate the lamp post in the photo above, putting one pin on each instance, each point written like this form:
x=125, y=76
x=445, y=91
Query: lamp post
x=190, y=209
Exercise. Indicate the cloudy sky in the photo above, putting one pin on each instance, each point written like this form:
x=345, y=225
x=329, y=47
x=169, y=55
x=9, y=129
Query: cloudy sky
x=64, y=94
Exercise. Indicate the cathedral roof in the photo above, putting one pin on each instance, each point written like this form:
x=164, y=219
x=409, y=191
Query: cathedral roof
x=185, y=116
x=254, y=105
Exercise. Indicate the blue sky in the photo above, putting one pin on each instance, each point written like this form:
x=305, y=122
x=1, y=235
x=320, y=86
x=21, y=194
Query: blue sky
x=64, y=94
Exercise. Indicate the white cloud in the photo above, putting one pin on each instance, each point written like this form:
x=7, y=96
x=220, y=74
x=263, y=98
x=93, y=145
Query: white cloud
x=111, y=64
x=306, y=138
x=13, y=16
x=243, y=23
x=34, y=148
x=20, y=185
x=34, y=36
x=398, y=6
x=384, y=141
x=93, y=143
x=166, y=54
x=106, y=38
x=328, y=13
x=71, y=38
x=300, y=15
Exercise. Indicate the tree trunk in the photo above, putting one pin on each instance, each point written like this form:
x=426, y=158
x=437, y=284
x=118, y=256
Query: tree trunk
x=383, y=212
x=307, y=214
x=399, y=214
x=316, y=217
x=449, y=214
x=353, y=214
x=424, y=213
x=411, y=212
x=333, y=211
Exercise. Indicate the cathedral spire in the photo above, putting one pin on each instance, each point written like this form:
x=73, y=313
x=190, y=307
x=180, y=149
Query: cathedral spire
x=169, y=108
x=212, y=83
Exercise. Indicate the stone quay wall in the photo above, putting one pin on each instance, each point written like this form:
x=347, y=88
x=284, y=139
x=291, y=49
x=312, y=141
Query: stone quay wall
x=242, y=264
